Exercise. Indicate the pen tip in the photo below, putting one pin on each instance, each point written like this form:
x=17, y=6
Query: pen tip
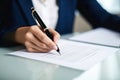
x=58, y=51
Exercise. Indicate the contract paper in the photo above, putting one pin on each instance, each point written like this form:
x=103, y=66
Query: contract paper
x=73, y=55
x=99, y=36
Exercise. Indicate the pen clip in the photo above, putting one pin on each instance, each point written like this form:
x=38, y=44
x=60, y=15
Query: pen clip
x=35, y=20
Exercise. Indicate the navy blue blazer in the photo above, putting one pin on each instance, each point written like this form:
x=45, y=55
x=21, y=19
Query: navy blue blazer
x=17, y=13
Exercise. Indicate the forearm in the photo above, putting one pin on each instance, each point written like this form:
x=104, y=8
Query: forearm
x=97, y=16
x=14, y=37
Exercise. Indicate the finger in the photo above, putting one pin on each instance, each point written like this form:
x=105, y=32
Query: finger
x=43, y=37
x=56, y=35
x=35, y=51
x=33, y=48
x=31, y=38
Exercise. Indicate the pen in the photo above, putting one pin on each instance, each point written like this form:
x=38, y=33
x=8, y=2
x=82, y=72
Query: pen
x=43, y=26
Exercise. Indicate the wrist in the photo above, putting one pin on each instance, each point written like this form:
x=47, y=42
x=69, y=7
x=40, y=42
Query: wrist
x=20, y=34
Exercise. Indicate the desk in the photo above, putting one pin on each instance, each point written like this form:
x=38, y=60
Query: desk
x=17, y=68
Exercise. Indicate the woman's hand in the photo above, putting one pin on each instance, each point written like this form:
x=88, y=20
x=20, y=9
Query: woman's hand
x=35, y=39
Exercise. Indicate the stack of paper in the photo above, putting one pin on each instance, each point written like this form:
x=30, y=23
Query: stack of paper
x=99, y=36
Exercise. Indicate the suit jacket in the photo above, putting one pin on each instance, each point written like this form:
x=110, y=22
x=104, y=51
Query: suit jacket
x=17, y=13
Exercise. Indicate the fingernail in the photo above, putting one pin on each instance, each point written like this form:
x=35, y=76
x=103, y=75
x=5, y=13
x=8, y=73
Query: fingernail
x=55, y=47
x=56, y=42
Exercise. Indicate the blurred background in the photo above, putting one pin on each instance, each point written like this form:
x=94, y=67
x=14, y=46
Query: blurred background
x=112, y=6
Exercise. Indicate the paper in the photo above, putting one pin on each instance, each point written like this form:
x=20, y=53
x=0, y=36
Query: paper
x=74, y=55
x=99, y=36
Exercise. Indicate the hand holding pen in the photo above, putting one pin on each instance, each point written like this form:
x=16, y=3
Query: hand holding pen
x=35, y=40
x=43, y=27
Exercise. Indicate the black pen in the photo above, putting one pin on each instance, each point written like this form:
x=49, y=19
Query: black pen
x=43, y=26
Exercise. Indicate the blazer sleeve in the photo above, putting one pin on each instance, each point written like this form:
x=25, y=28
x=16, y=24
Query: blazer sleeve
x=11, y=18
x=97, y=16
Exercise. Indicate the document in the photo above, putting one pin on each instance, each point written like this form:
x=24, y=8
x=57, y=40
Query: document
x=99, y=36
x=74, y=55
